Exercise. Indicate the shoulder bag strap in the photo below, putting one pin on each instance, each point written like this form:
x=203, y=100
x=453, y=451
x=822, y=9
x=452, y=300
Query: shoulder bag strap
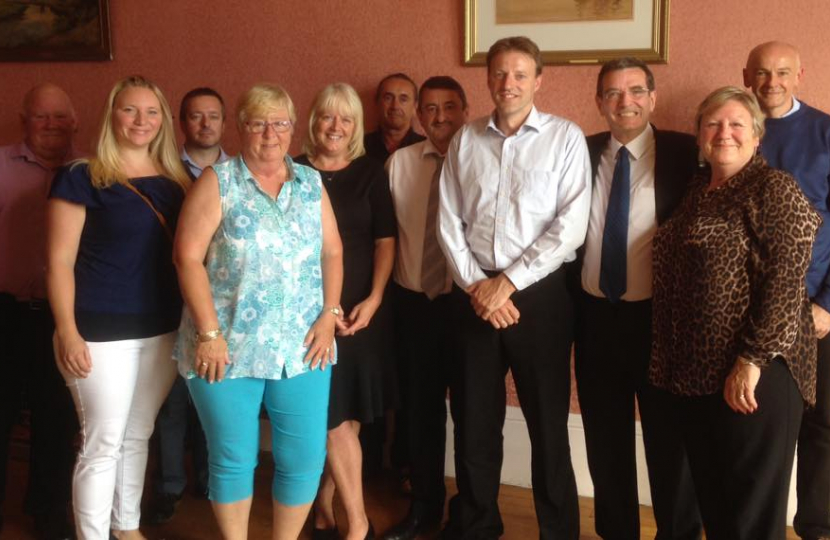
x=158, y=214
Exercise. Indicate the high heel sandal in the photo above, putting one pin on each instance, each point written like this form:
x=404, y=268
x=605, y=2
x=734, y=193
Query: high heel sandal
x=323, y=534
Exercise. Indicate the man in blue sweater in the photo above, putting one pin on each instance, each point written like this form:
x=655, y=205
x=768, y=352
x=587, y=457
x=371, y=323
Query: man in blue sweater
x=797, y=140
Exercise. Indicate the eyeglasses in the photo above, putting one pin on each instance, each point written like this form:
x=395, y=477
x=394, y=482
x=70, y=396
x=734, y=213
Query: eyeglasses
x=614, y=94
x=259, y=126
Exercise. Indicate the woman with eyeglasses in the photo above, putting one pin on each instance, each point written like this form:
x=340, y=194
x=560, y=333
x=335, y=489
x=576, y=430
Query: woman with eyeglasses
x=260, y=266
x=359, y=190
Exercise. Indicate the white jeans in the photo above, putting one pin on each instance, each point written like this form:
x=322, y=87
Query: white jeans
x=117, y=406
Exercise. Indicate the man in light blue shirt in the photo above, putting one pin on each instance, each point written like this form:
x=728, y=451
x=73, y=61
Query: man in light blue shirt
x=202, y=119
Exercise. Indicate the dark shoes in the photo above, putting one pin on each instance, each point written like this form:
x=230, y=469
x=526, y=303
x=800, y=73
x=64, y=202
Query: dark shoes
x=161, y=509
x=53, y=526
x=416, y=522
x=201, y=491
x=332, y=534
x=325, y=534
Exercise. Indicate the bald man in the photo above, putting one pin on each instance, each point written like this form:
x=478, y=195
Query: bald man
x=26, y=327
x=797, y=140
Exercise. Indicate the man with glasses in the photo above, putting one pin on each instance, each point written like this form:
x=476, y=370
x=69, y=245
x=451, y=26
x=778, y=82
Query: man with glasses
x=639, y=177
x=26, y=325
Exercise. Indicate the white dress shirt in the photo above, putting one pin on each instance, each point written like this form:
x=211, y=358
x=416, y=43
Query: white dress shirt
x=516, y=204
x=642, y=217
x=410, y=171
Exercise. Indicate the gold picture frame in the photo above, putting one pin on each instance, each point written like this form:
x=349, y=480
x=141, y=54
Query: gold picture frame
x=644, y=35
x=54, y=30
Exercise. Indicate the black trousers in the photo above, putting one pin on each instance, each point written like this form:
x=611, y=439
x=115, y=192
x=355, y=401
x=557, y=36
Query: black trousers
x=613, y=349
x=741, y=464
x=176, y=420
x=31, y=376
x=423, y=327
x=812, y=520
x=537, y=351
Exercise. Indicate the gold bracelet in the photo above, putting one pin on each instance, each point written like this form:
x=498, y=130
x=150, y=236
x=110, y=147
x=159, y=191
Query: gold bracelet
x=334, y=310
x=210, y=335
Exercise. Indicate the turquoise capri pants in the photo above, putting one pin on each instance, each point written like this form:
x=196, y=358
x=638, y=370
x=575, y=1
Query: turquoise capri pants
x=298, y=410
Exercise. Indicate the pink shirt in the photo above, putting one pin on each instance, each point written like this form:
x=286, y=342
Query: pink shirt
x=24, y=186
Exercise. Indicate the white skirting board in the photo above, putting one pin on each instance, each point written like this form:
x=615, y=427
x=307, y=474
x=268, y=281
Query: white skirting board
x=516, y=468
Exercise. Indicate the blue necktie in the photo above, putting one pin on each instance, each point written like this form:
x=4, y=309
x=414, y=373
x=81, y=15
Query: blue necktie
x=612, y=274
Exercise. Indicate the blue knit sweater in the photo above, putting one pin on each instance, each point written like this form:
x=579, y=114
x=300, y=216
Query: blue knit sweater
x=800, y=144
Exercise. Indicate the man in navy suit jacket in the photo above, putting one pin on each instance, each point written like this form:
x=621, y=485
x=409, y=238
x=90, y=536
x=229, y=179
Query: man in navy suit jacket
x=651, y=169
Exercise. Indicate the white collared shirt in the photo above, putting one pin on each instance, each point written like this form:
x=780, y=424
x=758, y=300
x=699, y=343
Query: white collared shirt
x=516, y=204
x=410, y=173
x=642, y=218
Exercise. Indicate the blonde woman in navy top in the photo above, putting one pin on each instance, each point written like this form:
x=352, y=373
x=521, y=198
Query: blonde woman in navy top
x=116, y=303
x=260, y=263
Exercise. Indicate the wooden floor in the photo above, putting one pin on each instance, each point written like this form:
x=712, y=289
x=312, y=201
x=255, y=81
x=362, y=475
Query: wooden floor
x=385, y=505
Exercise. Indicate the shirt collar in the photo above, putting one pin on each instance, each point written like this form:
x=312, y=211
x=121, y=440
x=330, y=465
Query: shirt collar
x=186, y=157
x=639, y=146
x=22, y=151
x=430, y=149
x=794, y=108
x=533, y=121
x=246, y=172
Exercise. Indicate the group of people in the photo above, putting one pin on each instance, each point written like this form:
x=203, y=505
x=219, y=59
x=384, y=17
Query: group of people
x=688, y=272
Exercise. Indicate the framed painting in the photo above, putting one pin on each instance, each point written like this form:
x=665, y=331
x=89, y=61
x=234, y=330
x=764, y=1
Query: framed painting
x=571, y=31
x=54, y=30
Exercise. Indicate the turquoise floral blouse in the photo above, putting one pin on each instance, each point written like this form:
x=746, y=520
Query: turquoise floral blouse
x=265, y=273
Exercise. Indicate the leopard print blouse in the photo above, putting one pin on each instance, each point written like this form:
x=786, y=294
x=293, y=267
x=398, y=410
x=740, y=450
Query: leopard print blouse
x=729, y=271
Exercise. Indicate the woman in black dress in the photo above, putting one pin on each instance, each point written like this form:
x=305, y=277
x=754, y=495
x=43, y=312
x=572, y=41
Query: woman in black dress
x=359, y=191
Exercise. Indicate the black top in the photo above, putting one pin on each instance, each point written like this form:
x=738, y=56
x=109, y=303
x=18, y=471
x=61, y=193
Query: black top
x=373, y=142
x=125, y=282
x=364, y=211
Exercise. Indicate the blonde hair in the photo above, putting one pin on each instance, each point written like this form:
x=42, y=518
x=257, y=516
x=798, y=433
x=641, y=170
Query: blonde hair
x=721, y=96
x=260, y=100
x=105, y=168
x=343, y=99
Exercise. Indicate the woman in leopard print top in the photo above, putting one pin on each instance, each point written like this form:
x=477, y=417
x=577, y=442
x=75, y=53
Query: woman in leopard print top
x=734, y=345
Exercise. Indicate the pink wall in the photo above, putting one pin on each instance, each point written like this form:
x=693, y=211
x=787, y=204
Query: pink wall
x=304, y=45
